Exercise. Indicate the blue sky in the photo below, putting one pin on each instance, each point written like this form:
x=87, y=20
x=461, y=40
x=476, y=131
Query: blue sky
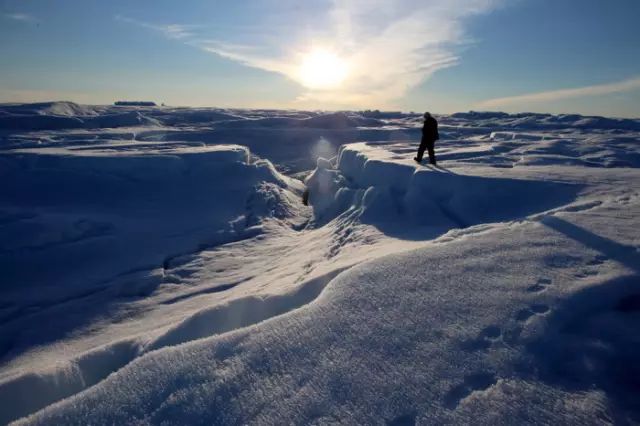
x=440, y=55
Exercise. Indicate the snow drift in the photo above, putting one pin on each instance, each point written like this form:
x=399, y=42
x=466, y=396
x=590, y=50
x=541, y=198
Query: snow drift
x=67, y=115
x=96, y=213
x=387, y=342
x=383, y=190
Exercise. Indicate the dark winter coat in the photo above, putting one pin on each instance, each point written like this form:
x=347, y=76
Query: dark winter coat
x=430, y=129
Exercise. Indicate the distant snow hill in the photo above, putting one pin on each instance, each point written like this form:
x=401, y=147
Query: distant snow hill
x=159, y=266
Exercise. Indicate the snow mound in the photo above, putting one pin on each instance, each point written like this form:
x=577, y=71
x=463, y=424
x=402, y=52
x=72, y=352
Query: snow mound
x=383, y=188
x=60, y=108
x=67, y=115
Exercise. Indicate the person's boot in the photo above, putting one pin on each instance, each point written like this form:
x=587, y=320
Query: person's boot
x=417, y=161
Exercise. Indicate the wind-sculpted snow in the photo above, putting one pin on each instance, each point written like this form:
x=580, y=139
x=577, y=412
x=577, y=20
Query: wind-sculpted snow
x=85, y=226
x=190, y=116
x=91, y=367
x=385, y=189
x=266, y=132
x=546, y=121
x=30, y=392
x=63, y=108
x=446, y=336
x=160, y=266
x=67, y=115
x=86, y=215
x=338, y=120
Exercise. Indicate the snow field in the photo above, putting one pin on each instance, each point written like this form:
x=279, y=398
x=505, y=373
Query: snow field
x=402, y=339
x=157, y=270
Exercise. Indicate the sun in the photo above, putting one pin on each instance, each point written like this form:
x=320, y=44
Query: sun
x=322, y=69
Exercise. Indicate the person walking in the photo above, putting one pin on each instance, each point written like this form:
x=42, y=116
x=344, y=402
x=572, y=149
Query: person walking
x=429, y=137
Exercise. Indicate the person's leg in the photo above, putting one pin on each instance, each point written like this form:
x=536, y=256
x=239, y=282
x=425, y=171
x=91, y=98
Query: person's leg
x=432, y=153
x=423, y=146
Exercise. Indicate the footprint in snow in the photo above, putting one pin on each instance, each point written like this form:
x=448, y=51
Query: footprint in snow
x=586, y=273
x=540, y=286
x=492, y=333
x=591, y=268
x=472, y=383
x=597, y=260
x=485, y=339
x=537, y=309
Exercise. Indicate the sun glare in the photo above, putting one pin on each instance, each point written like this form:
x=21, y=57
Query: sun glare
x=322, y=69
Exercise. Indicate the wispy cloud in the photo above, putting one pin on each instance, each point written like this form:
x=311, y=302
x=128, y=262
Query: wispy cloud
x=172, y=31
x=245, y=54
x=389, y=46
x=22, y=17
x=556, y=95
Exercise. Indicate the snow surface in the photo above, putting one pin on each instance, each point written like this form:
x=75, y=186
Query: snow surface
x=159, y=266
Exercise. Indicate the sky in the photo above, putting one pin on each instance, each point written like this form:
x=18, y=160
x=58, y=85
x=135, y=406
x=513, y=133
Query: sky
x=558, y=56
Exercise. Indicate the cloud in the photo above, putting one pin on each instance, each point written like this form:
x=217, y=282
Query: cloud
x=172, y=31
x=22, y=17
x=389, y=46
x=246, y=55
x=556, y=95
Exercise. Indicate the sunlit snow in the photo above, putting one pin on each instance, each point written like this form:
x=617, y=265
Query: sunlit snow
x=159, y=266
